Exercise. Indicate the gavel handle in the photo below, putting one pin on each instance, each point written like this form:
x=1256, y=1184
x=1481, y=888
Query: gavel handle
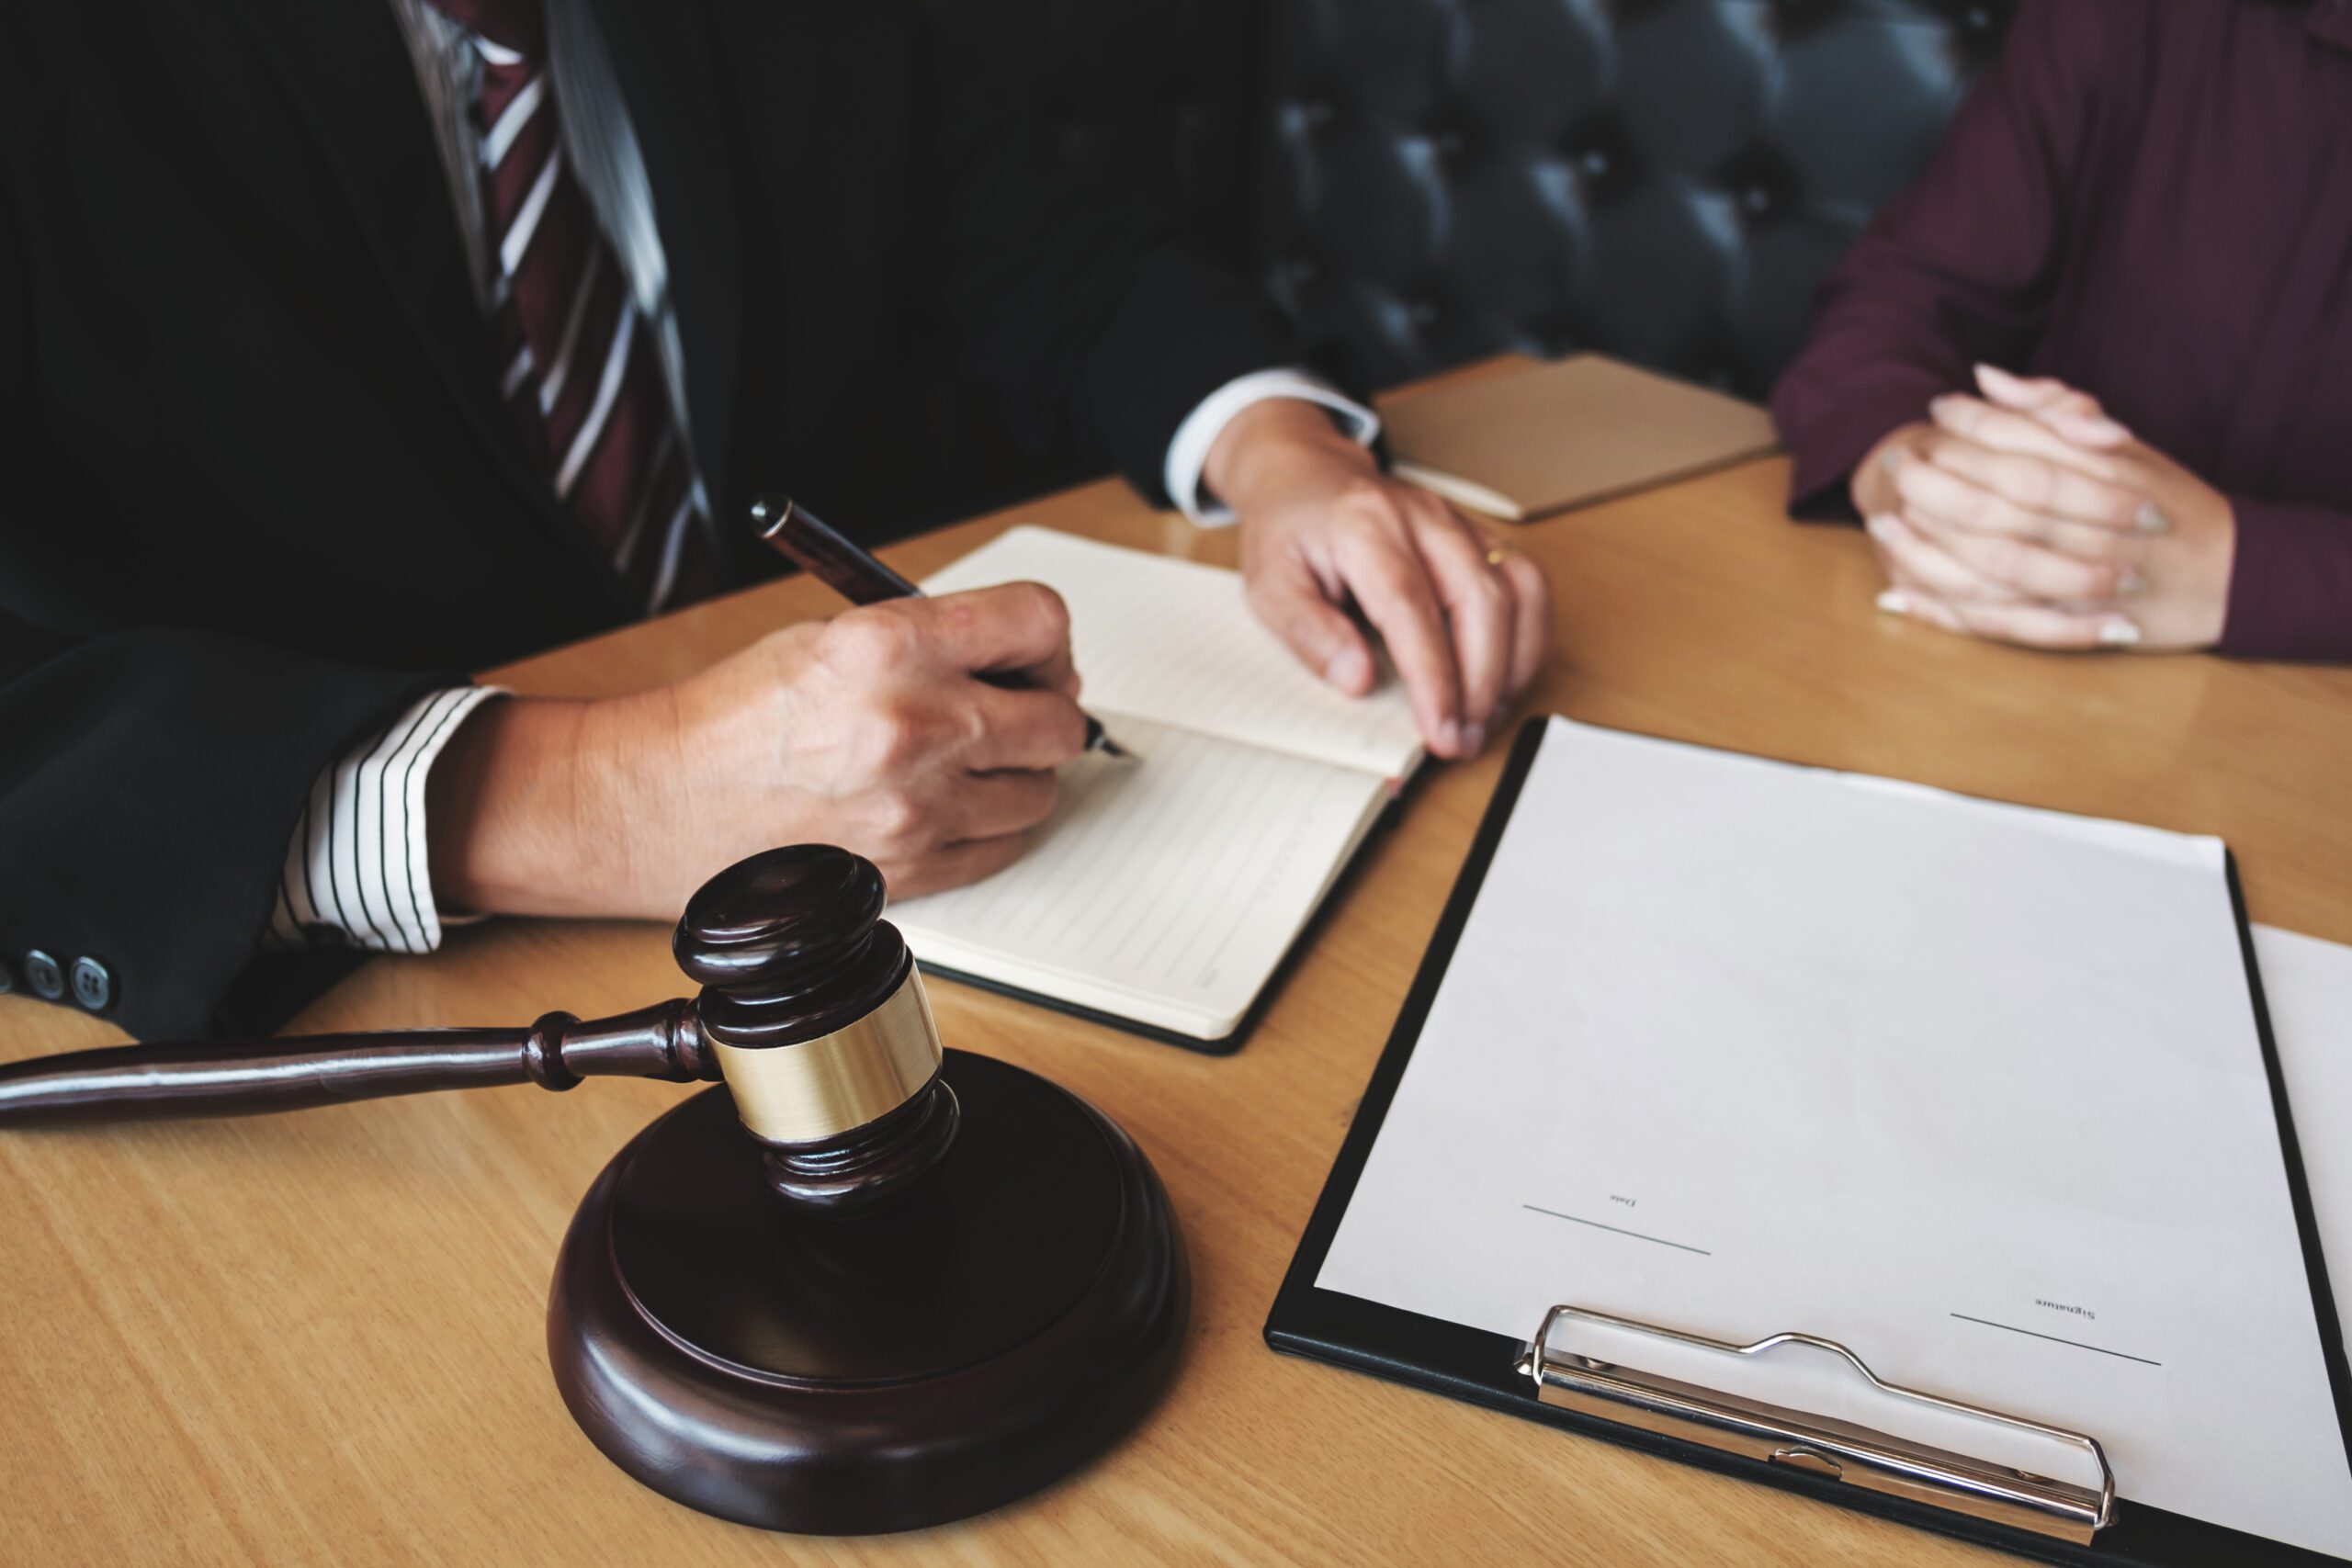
x=239, y=1078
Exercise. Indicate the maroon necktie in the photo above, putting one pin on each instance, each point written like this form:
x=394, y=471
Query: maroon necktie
x=579, y=368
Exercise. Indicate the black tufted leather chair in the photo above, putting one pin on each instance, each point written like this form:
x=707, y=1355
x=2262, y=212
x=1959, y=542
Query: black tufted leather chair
x=1664, y=180
x=1425, y=182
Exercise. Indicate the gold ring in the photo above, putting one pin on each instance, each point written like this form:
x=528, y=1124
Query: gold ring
x=1498, y=554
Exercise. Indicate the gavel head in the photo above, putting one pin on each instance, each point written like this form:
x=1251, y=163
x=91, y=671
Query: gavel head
x=812, y=1005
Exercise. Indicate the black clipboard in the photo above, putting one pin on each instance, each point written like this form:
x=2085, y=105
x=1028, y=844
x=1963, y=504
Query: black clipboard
x=1484, y=1369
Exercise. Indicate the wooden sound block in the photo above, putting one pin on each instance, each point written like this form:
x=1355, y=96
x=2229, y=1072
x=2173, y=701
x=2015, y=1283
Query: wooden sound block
x=973, y=1337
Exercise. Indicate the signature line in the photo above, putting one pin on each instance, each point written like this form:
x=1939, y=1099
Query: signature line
x=2056, y=1340
x=1618, y=1231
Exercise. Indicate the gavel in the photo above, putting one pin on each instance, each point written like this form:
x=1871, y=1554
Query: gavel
x=865, y=1283
x=810, y=1010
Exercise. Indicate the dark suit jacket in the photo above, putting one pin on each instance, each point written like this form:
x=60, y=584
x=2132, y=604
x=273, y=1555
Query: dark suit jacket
x=256, y=491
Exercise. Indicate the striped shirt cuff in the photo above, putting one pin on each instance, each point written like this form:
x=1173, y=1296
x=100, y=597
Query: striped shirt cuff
x=355, y=871
x=1187, y=453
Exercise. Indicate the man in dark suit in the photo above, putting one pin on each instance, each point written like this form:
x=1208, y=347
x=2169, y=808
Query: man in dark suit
x=348, y=343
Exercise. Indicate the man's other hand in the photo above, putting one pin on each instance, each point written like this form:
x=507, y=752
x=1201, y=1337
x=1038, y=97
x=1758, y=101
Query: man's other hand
x=1466, y=618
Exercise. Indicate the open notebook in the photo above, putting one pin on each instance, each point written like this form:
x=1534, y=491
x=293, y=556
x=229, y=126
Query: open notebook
x=1162, y=894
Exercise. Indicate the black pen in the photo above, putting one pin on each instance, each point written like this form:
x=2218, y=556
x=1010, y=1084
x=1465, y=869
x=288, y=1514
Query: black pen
x=852, y=572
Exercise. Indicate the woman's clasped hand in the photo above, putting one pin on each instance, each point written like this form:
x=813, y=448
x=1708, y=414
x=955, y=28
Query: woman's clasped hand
x=2027, y=515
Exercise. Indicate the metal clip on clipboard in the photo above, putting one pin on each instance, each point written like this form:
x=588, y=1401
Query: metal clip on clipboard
x=1818, y=1444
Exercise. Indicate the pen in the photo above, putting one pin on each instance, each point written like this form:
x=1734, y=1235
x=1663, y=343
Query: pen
x=852, y=572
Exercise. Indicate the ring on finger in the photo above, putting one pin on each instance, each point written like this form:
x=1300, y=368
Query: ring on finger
x=1498, y=554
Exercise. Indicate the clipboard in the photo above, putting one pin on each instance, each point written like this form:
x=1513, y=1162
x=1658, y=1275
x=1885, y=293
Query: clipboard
x=1948, y=1493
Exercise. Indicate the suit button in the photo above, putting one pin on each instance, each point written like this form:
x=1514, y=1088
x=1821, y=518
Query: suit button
x=42, y=974
x=93, y=986
x=7, y=978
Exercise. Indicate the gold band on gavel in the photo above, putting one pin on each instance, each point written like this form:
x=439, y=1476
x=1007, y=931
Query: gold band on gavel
x=825, y=1086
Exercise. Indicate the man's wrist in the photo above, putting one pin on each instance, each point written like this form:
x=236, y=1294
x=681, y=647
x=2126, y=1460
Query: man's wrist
x=512, y=808
x=1188, y=450
x=1263, y=439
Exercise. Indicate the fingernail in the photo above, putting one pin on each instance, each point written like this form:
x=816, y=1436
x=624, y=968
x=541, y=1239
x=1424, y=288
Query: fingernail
x=2118, y=634
x=2152, y=519
x=1346, y=668
x=1939, y=402
x=1474, y=738
x=1895, y=602
x=1890, y=459
x=1449, y=737
x=2132, y=582
x=1881, y=527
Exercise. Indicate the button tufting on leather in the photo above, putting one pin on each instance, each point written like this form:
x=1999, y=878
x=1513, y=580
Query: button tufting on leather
x=1668, y=180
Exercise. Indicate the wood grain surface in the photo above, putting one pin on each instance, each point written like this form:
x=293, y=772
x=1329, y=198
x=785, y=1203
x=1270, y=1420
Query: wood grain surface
x=319, y=1337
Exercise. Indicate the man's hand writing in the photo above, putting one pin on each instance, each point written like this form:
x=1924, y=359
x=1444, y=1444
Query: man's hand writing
x=872, y=731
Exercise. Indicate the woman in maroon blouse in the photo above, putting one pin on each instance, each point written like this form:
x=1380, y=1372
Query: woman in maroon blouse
x=2144, y=211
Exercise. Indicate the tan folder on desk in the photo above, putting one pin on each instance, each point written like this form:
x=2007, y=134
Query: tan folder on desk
x=1528, y=442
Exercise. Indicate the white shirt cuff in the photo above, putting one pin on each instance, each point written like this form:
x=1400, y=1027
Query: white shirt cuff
x=1188, y=453
x=356, y=872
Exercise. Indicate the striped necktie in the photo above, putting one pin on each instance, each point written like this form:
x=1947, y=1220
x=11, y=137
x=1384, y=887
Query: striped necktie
x=579, y=368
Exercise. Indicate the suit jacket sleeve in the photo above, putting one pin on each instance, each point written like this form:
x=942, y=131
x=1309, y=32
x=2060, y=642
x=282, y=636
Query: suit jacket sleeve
x=149, y=778
x=1956, y=269
x=1077, y=305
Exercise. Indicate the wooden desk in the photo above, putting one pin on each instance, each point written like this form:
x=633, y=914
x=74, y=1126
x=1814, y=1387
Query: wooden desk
x=319, y=1337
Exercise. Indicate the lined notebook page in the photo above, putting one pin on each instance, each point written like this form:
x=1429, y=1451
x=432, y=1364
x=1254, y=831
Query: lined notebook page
x=1167, y=892
x=1174, y=641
